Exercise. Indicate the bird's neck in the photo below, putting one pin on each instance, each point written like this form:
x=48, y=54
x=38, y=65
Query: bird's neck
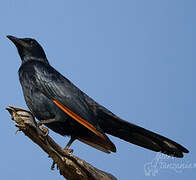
x=31, y=58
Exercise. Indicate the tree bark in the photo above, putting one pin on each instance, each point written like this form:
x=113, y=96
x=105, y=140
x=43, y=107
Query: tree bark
x=70, y=166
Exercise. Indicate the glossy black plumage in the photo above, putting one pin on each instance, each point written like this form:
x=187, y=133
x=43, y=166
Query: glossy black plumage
x=43, y=86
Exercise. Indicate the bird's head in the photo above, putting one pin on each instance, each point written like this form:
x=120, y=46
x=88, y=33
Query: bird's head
x=28, y=49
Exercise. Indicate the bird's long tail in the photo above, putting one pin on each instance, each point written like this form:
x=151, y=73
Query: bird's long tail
x=115, y=126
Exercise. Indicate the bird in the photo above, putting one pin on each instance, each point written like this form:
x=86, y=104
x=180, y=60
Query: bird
x=61, y=106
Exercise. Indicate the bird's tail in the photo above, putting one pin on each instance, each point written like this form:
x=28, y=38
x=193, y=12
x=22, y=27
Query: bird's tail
x=115, y=126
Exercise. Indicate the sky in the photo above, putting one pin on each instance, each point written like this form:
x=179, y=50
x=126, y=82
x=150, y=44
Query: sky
x=135, y=57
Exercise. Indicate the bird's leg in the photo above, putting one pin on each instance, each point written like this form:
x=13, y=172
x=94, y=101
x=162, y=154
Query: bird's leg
x=47, y=121
x=69, y=144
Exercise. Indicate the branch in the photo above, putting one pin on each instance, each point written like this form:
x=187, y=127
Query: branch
x=71, y=167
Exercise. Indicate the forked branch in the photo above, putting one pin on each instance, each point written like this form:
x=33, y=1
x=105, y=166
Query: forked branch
x=71, y=167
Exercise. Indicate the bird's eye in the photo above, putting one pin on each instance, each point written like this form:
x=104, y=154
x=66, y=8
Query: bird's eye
x=31, y=42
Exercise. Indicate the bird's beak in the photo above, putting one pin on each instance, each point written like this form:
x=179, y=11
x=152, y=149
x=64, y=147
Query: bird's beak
x=17, y=41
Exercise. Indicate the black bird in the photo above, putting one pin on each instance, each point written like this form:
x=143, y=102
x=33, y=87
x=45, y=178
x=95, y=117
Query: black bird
x=65, y=109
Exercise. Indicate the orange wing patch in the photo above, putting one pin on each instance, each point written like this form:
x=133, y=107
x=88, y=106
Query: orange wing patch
x=78, y=118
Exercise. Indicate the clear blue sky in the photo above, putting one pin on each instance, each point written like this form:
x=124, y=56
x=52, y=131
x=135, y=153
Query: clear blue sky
x=135, y=57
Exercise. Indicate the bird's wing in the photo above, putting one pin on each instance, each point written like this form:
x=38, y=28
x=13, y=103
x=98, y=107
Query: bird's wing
x=65, y=95
x=69, y=99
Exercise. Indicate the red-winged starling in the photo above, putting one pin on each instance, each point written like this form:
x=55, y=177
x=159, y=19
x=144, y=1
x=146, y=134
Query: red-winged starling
x=65, y=109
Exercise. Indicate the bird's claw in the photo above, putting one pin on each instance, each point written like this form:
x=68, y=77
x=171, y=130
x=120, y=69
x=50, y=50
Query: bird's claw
x=44, y=130
x=70, y=151
x=39, y=124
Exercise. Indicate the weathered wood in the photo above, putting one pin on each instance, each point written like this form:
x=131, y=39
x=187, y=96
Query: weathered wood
x=71, y=167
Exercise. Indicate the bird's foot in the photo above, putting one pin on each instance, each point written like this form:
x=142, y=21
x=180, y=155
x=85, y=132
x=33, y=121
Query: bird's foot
x=70, y=151
x=66, y=149
x=44, y=130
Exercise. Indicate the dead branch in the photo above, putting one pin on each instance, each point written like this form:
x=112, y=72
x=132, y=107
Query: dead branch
x=71, y=167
